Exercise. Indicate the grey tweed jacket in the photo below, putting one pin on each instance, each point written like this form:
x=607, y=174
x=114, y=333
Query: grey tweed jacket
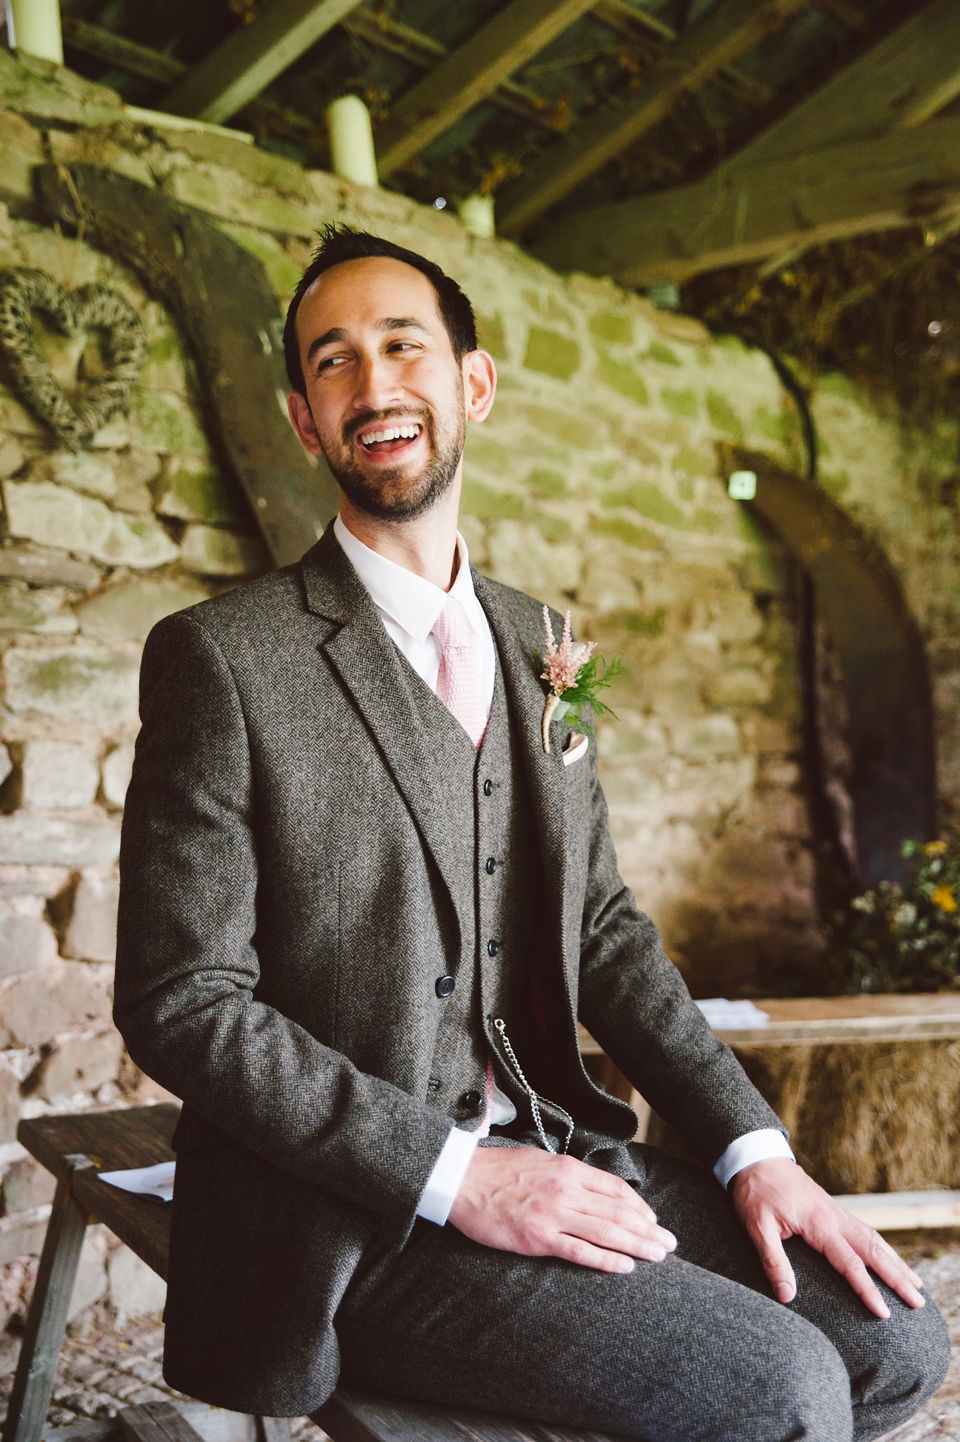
x=286, y=906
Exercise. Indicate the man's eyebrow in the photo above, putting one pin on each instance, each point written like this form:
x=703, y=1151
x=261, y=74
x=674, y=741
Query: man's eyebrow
x=388, y=323
x=401, y=322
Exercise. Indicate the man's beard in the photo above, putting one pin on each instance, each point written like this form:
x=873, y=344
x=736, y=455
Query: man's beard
x=388, y=495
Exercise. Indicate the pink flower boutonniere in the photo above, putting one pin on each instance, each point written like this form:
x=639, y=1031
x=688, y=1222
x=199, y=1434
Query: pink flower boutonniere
x=574, y=677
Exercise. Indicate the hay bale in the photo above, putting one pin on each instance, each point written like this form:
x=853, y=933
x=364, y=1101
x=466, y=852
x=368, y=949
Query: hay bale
x=863, y=1116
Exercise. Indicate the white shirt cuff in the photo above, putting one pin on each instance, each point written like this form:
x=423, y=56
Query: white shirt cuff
x=760, y=1146
x=449, y=1170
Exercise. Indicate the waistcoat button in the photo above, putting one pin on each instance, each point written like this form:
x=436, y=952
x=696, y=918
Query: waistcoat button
x=471, y=1100
x=445, y=985
x=491, y=865
x=488, y=788
x=493, y=947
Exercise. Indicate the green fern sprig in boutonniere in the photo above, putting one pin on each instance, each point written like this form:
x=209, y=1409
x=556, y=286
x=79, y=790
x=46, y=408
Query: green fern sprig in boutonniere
x=574, y=677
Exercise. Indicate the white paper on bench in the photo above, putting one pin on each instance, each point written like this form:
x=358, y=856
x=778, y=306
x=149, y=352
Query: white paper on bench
x=156, y=1182
x=724, y=1015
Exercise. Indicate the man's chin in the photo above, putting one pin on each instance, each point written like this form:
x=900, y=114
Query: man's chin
x=391, y=493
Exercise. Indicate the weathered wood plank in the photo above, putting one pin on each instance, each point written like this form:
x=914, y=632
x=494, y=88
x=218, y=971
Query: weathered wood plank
x=358, y=1417
x=469, y=74
x=727, y=33
x=137, y=1137
x=253, y=55
x=49, y=1305
x=156, y=1422
x=127, y=55
x=903, y=1211
x=735, y=217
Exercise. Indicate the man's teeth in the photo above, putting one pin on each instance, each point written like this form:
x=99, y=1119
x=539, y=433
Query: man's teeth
x=393, y=433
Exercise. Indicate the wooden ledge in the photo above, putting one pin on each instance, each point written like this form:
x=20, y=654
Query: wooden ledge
x=826, y=1020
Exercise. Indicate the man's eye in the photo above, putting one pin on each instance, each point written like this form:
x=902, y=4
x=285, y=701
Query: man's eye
x=329, y=362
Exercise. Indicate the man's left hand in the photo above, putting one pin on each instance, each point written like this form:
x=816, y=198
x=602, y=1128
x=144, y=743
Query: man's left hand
x=776, y=1199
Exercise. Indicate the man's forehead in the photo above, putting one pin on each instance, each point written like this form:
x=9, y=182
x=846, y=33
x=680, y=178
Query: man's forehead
x=365, y=290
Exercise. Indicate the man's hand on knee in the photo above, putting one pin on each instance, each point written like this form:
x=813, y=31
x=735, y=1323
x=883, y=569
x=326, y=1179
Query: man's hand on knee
x=776, y=1199
x=523, y=1200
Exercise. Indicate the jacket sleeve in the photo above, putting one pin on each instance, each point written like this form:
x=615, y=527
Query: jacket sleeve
x=634, y=1002
x=187, y=964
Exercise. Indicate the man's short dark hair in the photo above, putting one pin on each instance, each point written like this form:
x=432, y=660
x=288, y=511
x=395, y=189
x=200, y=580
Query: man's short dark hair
x=339, y=243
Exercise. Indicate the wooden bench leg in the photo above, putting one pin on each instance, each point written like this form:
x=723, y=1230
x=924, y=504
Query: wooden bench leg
x=47, y=1316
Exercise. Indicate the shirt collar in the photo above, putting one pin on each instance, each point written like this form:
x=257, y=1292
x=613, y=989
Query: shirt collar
x=408, y=599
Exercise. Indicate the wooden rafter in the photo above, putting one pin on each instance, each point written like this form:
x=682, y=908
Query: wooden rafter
x=470, y=74
x=726, y=219
x=728, y=32
x=253, y=55
x=381, y=31
x=126, y=55
x=900, y=179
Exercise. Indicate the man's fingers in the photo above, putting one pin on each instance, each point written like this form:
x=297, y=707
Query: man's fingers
x=766, y=1238
x=651, y=1243
x=594, y=1180
x=842, y=1256
x=590, y=1208
x=575, y=1249
x=872, y=1249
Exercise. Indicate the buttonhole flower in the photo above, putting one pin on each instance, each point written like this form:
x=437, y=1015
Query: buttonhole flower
x=573, y=676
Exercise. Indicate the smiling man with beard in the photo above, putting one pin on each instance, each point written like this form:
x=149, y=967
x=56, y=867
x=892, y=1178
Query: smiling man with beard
x=363, y=907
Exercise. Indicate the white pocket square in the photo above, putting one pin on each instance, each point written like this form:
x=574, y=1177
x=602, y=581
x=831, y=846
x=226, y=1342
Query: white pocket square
x=574, y=752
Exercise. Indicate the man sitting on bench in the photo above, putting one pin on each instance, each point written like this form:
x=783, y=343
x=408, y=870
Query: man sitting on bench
x=367, y=890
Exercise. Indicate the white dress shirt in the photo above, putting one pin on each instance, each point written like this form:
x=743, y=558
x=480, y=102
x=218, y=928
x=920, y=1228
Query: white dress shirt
x=409, y=606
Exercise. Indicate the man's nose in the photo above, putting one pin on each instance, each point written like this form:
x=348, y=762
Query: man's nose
x=377, y=385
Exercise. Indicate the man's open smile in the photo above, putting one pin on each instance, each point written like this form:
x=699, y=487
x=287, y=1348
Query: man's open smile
x=389, y=441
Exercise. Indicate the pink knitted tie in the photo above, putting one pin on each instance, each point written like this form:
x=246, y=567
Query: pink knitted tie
x=458, y=684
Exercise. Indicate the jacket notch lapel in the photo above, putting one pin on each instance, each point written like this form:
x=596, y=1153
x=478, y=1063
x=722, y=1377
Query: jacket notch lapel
x=368, y=666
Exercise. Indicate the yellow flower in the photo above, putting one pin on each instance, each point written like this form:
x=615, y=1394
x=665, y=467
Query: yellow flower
x=935, y=848
x=944, y=898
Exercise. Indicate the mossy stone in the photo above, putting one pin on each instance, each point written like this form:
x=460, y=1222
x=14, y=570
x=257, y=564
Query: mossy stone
x=559, y=426
x=487, y=504
x=491, y=336
x=770, y=424
x=611, y=326
x=651, y=502
x=723, y=416
x=662, y=354
x=621, y=378
x=679, y=403
x=626, y=531
x=544, y=482
x=551, y=353
x=487, y=453
x=689, y=462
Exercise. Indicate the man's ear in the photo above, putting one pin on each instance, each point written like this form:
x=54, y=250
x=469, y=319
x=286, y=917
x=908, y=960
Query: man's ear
x=479, y=384
x=301, y=418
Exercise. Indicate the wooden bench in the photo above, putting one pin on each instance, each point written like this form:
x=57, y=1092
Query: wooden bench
x=74, y=1148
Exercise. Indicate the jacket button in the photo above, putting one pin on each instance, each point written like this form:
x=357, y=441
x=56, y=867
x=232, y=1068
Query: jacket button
x=491, y=865
x=493, y=947
x=471, y=1100
x=488, y=788
x=445, y=985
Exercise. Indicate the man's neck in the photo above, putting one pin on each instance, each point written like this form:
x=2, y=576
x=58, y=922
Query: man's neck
x=426, y=546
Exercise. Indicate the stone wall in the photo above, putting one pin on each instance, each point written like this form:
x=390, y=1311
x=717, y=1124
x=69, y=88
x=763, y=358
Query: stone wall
x=595, y=484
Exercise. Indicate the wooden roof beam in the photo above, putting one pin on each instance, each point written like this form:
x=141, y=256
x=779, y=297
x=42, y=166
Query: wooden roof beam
x=123, y=54
x=907, y=177
x=252, y=56
x=470, y=74
x=379, y=30
x=728, y=32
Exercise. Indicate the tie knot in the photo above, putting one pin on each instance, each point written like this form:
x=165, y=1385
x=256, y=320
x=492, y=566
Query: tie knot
x=451, y=628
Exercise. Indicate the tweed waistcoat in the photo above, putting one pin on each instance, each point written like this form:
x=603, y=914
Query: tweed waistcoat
x=499, y=892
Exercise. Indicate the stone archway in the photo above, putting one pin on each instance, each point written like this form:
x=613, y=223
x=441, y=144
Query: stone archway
x=881, y=657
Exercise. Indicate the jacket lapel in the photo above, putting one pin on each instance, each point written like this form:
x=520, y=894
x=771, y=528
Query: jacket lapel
x=545, y=772
x=370, y=668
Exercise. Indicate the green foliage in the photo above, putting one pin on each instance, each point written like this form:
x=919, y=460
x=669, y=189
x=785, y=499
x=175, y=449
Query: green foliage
x=590, y=680
x=896, y=940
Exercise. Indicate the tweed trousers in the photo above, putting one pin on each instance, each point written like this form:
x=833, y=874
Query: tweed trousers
x=692, y=1349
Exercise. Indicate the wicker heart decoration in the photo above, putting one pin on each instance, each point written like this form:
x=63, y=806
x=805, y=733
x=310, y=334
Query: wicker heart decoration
x=92, y=307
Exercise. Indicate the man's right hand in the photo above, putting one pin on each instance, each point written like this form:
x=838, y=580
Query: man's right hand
x=520, y=1199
